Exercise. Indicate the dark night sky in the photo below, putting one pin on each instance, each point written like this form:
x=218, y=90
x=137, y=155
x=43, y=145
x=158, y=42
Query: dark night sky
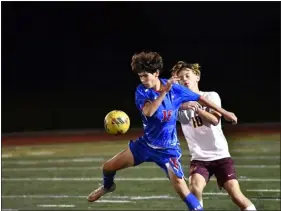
x=66, y=64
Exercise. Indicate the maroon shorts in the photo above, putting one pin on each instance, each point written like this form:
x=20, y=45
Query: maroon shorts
x=223, y=169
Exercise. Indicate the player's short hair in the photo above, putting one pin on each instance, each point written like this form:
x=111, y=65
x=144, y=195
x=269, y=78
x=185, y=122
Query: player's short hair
x=182, y=65
x=147, y=62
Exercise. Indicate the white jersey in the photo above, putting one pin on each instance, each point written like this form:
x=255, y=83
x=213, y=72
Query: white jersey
x=206, y=142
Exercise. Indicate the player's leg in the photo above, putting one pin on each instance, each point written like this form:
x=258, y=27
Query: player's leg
x=226, y=178
x=173, y=169
x=183, y=191
x=197, y=184
x=120, y=161
x=198, y=178
x=127, y=158
x=233, y=189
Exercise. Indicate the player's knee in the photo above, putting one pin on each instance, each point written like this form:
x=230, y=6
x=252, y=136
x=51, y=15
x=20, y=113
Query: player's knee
x=233, y=189
x=177, y=183
x=196, y=189
x=106, y=166
x=231, y=184
x=235, y=193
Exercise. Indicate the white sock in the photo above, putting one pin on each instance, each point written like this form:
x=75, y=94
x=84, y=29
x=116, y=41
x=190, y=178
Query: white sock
x=201, y=202
x=251, y=207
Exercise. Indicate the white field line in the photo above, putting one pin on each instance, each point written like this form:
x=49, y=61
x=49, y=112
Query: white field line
x=263, y=190
x=127, y=199
x=99, y=159
x=113, y=201
x=252, y=198
x=6, y=155
x=75, y=160
x=8, y=209
x=154, y=179
x=40, y=153
x=56, y=205
x=136, y=167
x=105, y=197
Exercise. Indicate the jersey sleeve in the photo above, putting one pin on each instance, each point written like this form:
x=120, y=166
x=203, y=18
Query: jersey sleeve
x=186, y=94
x=215, y=98
x=140, y=99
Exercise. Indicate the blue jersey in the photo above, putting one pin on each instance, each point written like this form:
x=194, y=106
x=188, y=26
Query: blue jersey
x=160, y=129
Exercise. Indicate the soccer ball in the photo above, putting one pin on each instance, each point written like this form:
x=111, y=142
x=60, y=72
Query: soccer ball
x=116, y=122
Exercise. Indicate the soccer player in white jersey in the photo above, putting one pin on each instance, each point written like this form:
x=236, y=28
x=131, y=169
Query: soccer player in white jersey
x=207, y=144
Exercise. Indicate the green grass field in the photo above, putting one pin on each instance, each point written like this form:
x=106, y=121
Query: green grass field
x=48, y=177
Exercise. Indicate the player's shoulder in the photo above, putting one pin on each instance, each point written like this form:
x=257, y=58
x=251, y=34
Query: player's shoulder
x=210, y=94
x=176, y=85
x=140, y=87
x=142, y=90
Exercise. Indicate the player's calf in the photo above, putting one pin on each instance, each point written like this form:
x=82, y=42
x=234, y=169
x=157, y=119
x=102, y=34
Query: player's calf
x=197, y=184
x=181, y=188
x=233, y=189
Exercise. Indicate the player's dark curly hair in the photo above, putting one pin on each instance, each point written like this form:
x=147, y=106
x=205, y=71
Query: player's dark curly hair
x=181, y=65
x=147, y=62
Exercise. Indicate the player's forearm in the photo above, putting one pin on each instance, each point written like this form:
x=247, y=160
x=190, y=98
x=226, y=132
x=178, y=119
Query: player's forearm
x=208, y=117
x=211, y=105
x=151, y=108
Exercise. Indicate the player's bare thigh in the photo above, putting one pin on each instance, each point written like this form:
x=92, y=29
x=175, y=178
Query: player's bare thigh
x=198, y=176
x=123, y=159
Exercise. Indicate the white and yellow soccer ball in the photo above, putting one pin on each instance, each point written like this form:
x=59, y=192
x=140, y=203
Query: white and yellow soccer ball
x=116, y=122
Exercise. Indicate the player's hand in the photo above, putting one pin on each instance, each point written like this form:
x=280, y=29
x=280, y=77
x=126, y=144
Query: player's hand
x=194, y=105
x=170, y=82
x=229, y=116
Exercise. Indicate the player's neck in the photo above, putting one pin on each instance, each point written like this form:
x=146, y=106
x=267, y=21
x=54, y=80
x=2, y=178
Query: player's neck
x=158, y=86
x=196, y=90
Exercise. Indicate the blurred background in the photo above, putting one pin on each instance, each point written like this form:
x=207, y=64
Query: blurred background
x=65, y=65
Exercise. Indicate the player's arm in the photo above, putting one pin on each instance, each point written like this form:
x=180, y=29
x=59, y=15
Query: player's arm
x=212, y=117
x=188, y=95
x=226, y=114
x=150, y=107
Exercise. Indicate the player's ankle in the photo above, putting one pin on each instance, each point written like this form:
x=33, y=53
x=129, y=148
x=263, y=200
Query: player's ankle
x=251, y=207
x=108, y=179
x=192, y=202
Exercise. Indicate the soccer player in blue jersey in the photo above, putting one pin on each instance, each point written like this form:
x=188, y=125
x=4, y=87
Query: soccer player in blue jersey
x=158, y=101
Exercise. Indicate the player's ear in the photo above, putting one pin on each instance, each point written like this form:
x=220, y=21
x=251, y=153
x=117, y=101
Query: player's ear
x=198, y=78
x=157, y=73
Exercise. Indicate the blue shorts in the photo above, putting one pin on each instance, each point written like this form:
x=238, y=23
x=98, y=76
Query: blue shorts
x=167, y=159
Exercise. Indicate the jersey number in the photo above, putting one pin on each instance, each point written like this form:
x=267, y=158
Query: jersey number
x=197, y=121
x=166, y=115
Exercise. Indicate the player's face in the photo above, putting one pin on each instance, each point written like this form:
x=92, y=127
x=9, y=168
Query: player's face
x=188, y=78
x=148, y=79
